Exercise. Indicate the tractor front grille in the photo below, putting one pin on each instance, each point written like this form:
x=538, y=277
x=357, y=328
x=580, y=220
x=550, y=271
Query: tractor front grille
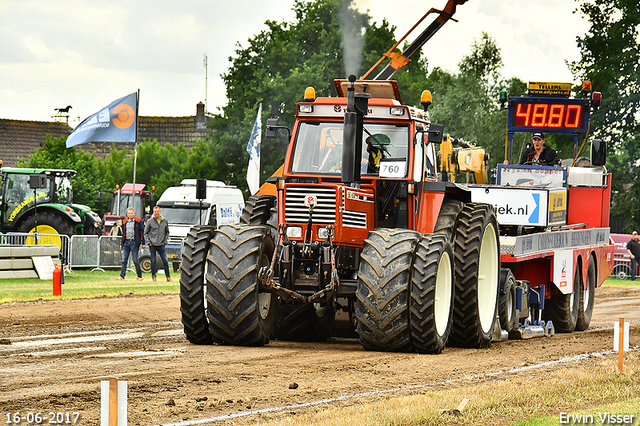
x=296, y=212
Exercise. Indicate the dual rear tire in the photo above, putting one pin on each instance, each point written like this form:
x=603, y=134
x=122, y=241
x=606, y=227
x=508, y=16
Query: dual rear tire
x=420, y=293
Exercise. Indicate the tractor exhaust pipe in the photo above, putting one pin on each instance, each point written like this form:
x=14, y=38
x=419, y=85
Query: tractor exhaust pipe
x=357, y=105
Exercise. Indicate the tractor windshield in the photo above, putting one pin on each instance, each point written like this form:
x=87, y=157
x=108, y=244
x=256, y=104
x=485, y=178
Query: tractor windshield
x=64, y=191
x=125, y=201
x=318, y=146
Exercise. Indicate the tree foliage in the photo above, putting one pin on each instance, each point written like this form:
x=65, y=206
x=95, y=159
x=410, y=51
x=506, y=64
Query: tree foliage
x=467, y=103
x=610, y=59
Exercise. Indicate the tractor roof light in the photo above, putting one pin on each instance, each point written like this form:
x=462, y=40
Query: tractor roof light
x=596, y=99
x=425, y=99
x=396, y=111
x=309, y=94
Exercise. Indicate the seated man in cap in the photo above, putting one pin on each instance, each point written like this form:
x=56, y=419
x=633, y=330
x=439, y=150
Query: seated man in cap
x=539, y=153
x=376, y=147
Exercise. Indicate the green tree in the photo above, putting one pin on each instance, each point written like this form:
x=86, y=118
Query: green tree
x=90, y=171
x=275, y=68
x=610, y=59
x=467, y=103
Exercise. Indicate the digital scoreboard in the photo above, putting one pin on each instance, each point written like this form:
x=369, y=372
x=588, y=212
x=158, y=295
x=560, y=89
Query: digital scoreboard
x=548, y=114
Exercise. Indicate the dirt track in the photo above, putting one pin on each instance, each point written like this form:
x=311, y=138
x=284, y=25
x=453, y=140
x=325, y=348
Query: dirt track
x=53, y=356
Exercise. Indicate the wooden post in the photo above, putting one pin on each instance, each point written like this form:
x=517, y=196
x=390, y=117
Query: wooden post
x=620, y=344
x=113, y=402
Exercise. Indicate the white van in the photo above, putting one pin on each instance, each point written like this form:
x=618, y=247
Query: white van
x=223, y=205
x=178, y=204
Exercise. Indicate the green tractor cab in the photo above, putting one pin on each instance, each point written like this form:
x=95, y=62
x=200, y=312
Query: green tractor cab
x=41, y=201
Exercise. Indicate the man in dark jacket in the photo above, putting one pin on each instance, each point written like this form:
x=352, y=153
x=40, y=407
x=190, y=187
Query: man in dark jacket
x=132, y=237
x=539, y=153
x=156, y=235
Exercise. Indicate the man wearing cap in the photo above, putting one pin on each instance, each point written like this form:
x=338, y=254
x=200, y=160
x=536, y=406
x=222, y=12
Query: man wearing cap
x=539, y=153
x=633, y=248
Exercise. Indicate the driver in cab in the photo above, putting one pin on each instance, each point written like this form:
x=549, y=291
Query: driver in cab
x=375, y=147
x=539, y=154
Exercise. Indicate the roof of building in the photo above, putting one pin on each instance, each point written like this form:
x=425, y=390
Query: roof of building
x=19, y=139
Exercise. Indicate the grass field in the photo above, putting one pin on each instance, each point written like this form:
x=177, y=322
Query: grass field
x=83, y=284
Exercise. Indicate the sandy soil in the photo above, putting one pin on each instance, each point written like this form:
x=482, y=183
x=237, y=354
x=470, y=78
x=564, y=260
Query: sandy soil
x=53, y=356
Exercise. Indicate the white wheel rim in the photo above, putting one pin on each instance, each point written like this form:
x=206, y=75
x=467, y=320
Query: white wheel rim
x=585, y=303
x=510, y=303
x=264, y=304
x=264, y=298
x=487, y=278
x=442, y=302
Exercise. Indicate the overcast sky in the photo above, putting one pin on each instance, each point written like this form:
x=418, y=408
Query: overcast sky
x=87, y=53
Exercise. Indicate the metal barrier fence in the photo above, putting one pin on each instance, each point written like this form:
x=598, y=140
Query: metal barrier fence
x=26, y=239
x=109, y=253
x=90, y=251
x=84, y=251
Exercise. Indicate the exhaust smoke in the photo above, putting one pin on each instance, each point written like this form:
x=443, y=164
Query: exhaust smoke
x=352, y=25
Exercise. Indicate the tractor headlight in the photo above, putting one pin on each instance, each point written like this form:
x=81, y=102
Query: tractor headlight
x=323, y=233
x=294, y=232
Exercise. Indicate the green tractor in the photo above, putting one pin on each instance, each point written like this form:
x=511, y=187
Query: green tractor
x=41, y=200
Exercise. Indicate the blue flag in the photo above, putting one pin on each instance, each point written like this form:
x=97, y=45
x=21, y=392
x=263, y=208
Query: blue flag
x=115, y=123
x=253, y=148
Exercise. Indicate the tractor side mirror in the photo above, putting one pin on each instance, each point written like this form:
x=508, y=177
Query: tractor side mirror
x=272, y=128
x=436, y=133
x=37, y=181
x=598, y=152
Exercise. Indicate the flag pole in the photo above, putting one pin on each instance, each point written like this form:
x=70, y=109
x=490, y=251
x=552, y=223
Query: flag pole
x=135, y=154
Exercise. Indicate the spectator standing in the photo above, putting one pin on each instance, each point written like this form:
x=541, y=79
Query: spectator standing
x=116, y=230
x=156, y=235
x=633, y=248
x=132, y=237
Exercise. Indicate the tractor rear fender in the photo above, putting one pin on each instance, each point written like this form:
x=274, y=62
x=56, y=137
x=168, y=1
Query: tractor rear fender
x=58, y=209
x=431, y=197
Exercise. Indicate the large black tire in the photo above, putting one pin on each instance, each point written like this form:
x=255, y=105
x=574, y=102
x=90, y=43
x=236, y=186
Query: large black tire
x=383, y=291
x=192, y=284
x=240, y=312
x=448, y=218
x=587, y=296
x=432, y=294
x=477, y=277
x=563, y=310
x=49, y=218
x=507, y=311
x=257, y=210
x=304, y=322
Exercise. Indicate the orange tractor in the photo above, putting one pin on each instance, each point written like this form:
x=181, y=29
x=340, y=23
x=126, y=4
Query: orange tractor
x=366, y=234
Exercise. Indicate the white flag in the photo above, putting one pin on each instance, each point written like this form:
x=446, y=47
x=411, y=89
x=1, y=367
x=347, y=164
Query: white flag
x=253, y=148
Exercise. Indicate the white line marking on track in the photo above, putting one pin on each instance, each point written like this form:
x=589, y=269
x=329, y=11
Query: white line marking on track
x=384, y=391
